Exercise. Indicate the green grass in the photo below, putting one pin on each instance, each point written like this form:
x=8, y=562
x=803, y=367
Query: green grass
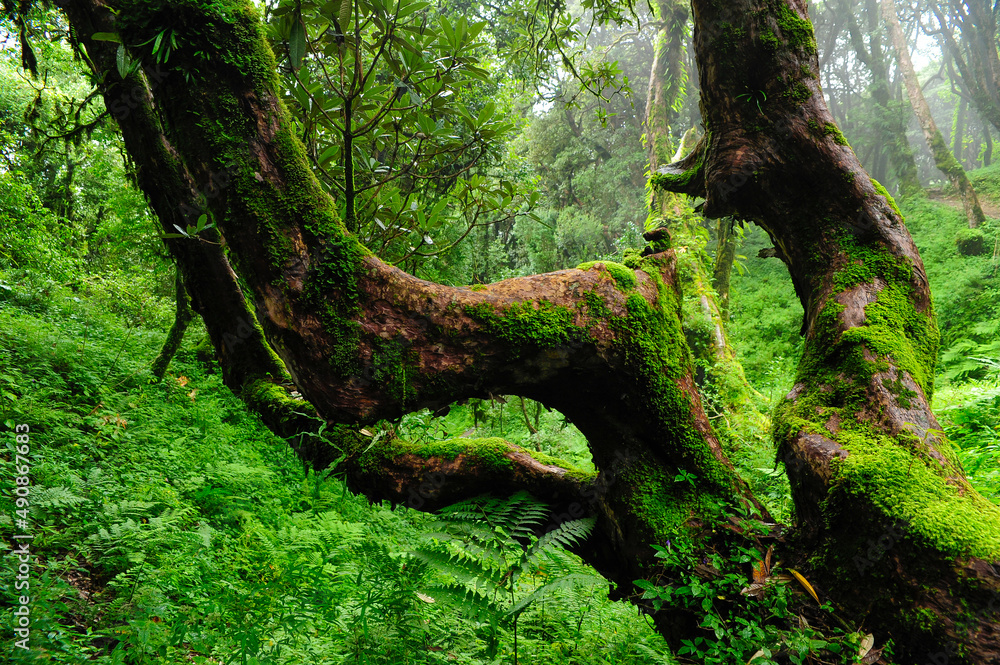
x=172, y=527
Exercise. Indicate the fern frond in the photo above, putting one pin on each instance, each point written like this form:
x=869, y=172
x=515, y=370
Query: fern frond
x=566, y=535
x=564, y=582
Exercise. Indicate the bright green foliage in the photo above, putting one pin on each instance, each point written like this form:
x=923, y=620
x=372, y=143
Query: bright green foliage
x=197, y=534
x=490, y=562
x=738, y=628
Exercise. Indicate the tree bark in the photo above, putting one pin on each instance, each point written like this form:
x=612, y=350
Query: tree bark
x=862, y=448
x=703, y=318
x=250, y=368
x=182, y=317
x=363, y=340
x=943, y=158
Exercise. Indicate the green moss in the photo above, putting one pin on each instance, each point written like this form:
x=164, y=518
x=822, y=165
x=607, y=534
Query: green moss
x=489, y=453
x=652, y=341
x=798, y=32
x=681, y=182
x=266, y=397
x=528, y=325
x=894, y=329
x=596, y=307
x=798, y=92
x=868, y=262
x=478, y=287
x=623, y=275
x=882, y=191
x=831, y=129
x=662, y=505
x=907, y=488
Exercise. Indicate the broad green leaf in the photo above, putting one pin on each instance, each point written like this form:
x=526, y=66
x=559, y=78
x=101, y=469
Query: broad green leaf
x=297, y=44
x=123, y=62
x=345, y=13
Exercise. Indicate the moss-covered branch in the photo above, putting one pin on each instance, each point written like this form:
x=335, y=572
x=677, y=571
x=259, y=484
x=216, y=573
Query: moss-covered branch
x=862, y=448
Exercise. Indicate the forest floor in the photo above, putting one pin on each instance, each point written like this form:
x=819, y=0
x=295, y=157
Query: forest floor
x=990, y=208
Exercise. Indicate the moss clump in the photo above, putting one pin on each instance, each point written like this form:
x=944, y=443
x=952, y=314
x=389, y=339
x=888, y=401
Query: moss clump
x=653, y=344
x=596, y=307
x=882, y=191
x=798, y=92
x=478, y=287
x=797, y=31
x=831, y=129
x=623, y=275
x=662, y=505
x=537, y=325
x=332, y=288
x=868, y=262
x=971, y=242
x=895, y=329
x=905, y=487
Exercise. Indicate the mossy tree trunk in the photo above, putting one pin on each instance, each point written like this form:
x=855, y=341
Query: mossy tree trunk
x=178, y=196
x=362, y=340
x=943, y=158
x=182, y=317
x=703, y=318
x=863, y=451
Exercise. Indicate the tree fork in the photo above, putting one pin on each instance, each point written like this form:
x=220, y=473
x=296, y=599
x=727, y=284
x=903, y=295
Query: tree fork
x=363, y=340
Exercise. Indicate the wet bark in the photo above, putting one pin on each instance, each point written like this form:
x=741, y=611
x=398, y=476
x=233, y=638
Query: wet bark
x=943, y=158
x=705, y=305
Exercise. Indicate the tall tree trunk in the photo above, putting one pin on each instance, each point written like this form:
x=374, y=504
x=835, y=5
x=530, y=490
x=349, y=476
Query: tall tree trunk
x=703, y=318
x=182, y=317
x=943, y=158
x=725, y=256
x=958, y=134
x=863, y=450
x=363, y=340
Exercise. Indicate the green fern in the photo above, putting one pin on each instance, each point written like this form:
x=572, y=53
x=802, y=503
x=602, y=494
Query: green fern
x=484, y=549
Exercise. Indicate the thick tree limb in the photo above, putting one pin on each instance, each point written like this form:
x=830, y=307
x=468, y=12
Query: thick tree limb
x=862, y=448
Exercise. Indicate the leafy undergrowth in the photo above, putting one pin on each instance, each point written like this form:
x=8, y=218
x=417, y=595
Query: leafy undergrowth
x=171, y=527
